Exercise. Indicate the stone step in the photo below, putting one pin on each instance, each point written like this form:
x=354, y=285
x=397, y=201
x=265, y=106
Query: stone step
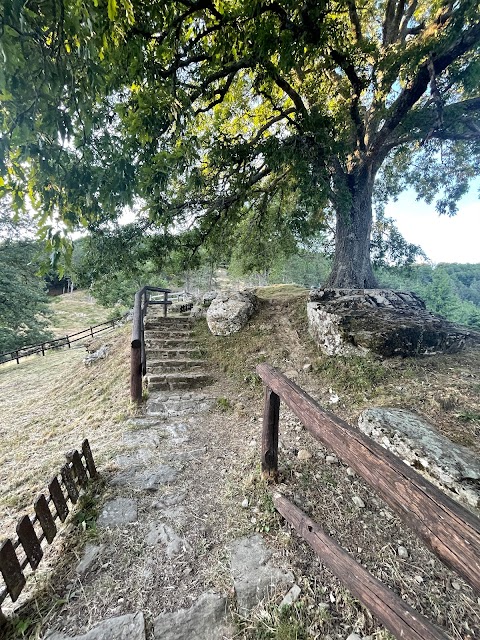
x=152, y=334
x=168, y=343
x=184, y=380
x=180, y=323
x=168, y=404
x=163, y=365
x=169, y=354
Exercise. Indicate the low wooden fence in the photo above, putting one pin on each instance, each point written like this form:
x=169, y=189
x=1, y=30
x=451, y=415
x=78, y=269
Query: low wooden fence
x=26, y=549
x=138, y=360
x=449, y=530
x=57, y=343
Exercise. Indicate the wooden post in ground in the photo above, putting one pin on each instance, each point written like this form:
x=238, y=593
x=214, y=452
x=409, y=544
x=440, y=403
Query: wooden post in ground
x=165, y=299
x=136, y=374
x=271, y=415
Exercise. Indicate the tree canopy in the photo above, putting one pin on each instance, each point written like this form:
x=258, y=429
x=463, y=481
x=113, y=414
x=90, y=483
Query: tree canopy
x=246, y=122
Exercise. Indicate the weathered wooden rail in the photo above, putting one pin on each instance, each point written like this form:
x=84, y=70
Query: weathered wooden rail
x=448, y=529
x=56, y=343
x=138, y=360
x=26, y=549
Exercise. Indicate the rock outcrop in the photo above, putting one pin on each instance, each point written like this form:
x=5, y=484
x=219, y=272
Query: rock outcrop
x=453, y=467
x=389, y=323
x=229, y=312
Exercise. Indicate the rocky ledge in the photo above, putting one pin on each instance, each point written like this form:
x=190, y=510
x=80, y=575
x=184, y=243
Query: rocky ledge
x=385, y=322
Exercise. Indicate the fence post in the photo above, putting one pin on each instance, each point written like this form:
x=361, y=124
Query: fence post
x=16, y=357
x=43, y=348
x=165, y=299
x=271, y=415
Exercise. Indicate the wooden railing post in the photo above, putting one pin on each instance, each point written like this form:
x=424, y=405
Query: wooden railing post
x=271, y=415
x=165, y=299
x=136, y=351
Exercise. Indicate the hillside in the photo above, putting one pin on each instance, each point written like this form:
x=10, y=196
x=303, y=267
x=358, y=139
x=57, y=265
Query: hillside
x=51, y=403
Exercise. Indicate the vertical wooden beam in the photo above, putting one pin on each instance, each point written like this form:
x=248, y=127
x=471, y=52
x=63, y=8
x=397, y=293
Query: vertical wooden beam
x=11, y=570
x=69, y=483
x=136, y=374
x=87, y=454
x=30, y=542
x=165, y=300
x=58, y=499
x=271, y=415
x=45, y=518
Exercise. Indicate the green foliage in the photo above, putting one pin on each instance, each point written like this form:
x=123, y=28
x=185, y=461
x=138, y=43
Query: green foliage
x=448, y=289
x=23, y=301
x=237, y=123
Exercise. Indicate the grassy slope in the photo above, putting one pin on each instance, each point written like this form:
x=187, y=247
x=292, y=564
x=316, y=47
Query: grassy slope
x=75, y=311
x=49, y=404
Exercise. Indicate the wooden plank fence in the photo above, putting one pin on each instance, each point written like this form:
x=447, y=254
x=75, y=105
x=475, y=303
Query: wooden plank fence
x=56, y=343
x=26, y=549
x=448, y=529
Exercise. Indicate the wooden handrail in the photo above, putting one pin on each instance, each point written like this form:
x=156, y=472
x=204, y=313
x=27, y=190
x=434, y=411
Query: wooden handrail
x=138, y=363
x=448, y=529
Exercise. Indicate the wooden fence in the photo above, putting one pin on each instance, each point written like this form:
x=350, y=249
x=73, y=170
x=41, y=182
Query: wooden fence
x=26, y=549
x=57, y=343
x=448, y=529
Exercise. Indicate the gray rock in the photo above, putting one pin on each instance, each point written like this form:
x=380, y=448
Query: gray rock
x=390, y=323
x=128, y=627
x=254, y=576
x=146, y=479
x=402, y=552
x=414, y=440
x=118, y=512
x=292, y=596
x=205, y=620
x=229, y=312
x=358, y=502
x=135, y=458
x=164, y=534
x=100, y=354
x=90, y=554
x=354, y=636
x=143, y=438
x=331, y=459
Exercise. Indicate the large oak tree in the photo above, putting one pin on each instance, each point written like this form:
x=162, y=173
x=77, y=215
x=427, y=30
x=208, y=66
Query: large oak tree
x=252, y=120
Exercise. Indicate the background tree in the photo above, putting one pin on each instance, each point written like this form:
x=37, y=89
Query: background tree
x=23, y=300
x=212, y=110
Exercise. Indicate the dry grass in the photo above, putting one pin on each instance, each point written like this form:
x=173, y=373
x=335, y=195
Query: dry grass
x=49, y=405
x=75, y=311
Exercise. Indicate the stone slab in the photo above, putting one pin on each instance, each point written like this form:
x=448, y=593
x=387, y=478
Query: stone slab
x=118, y=512
x=165, y=535
x=128, y=627
x=90, y=554
x=254, y=575
x=136, y=458
x=143, y=438
x=146, y=479
x=418, y=443
x=205, y=620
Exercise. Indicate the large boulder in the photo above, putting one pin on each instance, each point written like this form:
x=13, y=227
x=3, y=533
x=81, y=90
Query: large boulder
x=451, y=466
x=229, y=312
x=389, y=323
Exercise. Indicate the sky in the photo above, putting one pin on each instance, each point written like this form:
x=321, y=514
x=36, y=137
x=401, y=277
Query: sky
x=444, y=239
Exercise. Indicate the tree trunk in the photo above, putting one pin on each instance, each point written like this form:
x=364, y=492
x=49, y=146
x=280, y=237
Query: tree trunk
x=352, y=268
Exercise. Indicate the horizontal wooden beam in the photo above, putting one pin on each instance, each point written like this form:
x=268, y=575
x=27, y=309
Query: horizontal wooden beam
x=449, y=530
x=401, y=619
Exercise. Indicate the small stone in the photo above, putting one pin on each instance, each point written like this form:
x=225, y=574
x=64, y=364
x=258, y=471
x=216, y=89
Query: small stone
x=418, y=579
x=292, y=596
x=456, y=585
x=331, y=459
x=307, y=367
x=358, y=502
x=334, y=399
x=354, y=636
x=304, y=454
x=245, y=503
x=118, y=512
x=402, y=552
x=90, y=554
x=350, y=472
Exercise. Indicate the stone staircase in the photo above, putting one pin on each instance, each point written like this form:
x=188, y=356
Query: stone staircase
x=176, y=374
